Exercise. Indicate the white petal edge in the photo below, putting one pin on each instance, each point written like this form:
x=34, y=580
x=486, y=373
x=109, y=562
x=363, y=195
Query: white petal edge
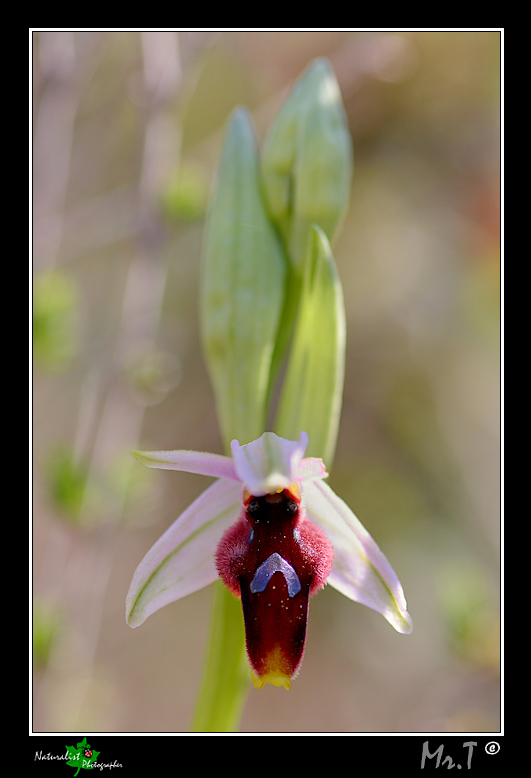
x=269, y=463
x=360, y=571
x=203, y=463
x=182, y=560
x=311, y=469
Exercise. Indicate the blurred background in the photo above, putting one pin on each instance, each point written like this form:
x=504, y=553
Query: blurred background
x=126, y=130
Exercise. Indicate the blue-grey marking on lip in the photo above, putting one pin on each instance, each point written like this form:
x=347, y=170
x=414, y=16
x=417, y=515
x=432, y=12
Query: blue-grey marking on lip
x=275, y=564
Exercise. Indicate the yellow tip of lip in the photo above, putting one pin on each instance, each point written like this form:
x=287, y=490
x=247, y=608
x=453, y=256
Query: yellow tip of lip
x=274, y=672
x=275, y=678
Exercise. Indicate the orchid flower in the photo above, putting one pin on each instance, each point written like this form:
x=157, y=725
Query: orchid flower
x=275, y=534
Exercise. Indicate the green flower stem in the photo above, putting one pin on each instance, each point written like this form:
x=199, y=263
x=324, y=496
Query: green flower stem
x=226, y=675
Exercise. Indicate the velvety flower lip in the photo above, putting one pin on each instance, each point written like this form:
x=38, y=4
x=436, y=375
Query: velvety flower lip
x=182, y=560
x=274, y=559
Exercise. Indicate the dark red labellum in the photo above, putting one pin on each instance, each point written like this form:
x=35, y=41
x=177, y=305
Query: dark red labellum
x=274, y=559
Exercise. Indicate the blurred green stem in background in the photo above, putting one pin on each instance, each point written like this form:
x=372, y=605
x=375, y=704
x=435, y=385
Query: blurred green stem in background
x=269, y=280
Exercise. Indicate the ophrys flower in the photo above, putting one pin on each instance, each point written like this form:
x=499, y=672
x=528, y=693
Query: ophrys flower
x=275, y=533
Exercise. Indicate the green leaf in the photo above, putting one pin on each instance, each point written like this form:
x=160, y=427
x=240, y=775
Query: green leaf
x=243, y=287
x=313, y=386
x=77, y=756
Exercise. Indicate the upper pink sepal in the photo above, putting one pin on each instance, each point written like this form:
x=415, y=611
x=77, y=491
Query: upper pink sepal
x=271, y=463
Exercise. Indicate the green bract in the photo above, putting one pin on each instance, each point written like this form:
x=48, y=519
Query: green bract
x=313, y=387
x=243, y=287
x=307, y=160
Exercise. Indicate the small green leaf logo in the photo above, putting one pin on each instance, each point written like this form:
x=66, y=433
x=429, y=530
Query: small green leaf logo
x=82, y=756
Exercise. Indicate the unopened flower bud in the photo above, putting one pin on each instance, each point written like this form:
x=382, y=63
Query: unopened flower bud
x=307, y=160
